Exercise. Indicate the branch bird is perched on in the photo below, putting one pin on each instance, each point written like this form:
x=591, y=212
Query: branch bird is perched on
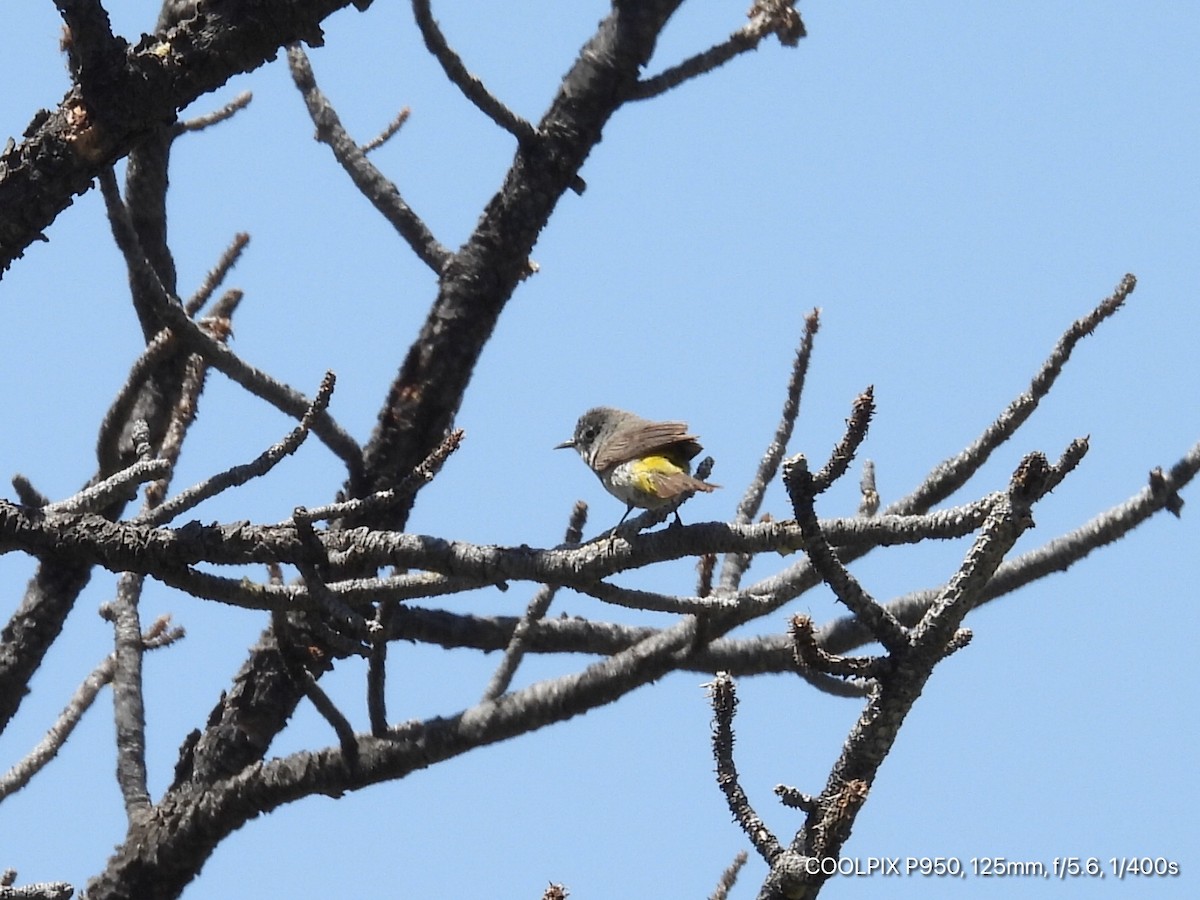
x=642, y=463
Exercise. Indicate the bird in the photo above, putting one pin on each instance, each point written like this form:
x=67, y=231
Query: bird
x=644, y=464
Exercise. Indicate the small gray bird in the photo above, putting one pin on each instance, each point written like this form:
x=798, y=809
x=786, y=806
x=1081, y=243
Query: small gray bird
x=642, y=463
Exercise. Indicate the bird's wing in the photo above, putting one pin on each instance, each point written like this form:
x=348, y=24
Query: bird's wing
x=668, y=485
x=646, y=437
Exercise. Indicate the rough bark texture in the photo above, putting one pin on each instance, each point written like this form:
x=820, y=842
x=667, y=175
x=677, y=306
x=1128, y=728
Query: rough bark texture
x=125, y=93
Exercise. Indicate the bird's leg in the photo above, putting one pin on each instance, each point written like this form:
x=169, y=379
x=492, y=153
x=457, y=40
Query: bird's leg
x=612, y=535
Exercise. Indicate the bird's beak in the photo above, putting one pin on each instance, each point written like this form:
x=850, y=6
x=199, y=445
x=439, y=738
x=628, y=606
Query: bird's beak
x=565, y=444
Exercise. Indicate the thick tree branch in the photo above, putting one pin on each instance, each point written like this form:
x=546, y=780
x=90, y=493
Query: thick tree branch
x=65, y=149
x=189, y=823
x=478, y=281
x=161, y=552
x=831, y=816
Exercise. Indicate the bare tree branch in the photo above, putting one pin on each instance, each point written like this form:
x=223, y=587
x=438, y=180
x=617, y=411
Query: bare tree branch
x=162, y=552
x=869, y=505
x=188, y=823
x=802, y=489
x=388, y=133
x=477, y=283
x=856, y=432
x=120, y=486
x=217, y=116
x=729, y=877
x=470, y=85
x=239, y=475
x=158, y=635
x=828, y=823
x=724, y=703
x=124, y=101
x=767, y=17
x=536, y=611
x=734, y=566
x=320, y=700
x=128, y=705
x=1056, y=555
x=42, y=890
x=65, y=149
x=420, y=476
x=217, y=275
x=953, y=473
x=383, y=194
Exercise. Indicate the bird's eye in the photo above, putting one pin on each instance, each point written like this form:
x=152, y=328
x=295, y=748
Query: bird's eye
x=589, y=433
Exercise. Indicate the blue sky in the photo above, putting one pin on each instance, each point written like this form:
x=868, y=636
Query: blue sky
x=951, y=185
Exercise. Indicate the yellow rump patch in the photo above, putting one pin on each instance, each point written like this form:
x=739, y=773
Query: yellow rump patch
x=643, y=472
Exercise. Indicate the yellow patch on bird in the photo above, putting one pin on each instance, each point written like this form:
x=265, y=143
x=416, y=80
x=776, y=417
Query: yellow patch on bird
x=645, y=469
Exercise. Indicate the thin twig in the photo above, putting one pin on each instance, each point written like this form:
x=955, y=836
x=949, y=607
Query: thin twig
x=795, y=798
x=705, y=566
x=811, y=656
x=27, y=493
x=470, y=85
x=802, y=491
x=281, y=396
x=169, y=312
x=951, y=474
x=856, y=432
x=735, y=564
x=217, y=274
x=383, y=194
x=869, y=492
x=410, y=484
x=388, y=133
x=729, y=877
x=41, y=890
x=536, y=611
x=157, y=635
x=239, y=475
x=347, y=621
x=151, y=298
x=377, y=668
x=770, y=17
x=183, y=414
x=161, y=346
x=120, y=485
x=724, y=703
x=654, y=601
x=199, y=123
x=129, y=709
x=316, y=695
